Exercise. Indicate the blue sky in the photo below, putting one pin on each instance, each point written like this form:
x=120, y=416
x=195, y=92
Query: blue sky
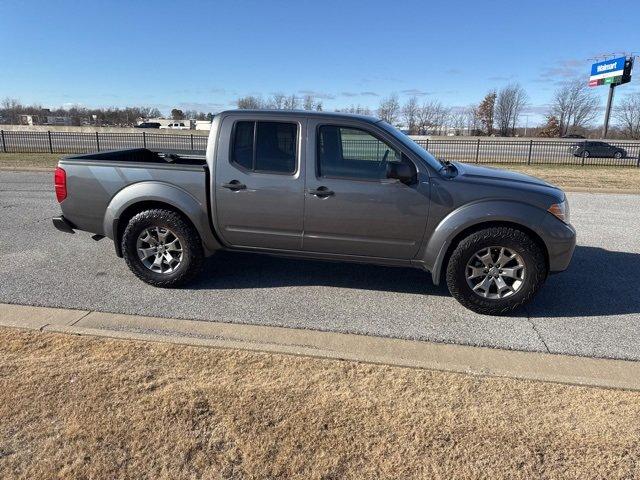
x=203, y=55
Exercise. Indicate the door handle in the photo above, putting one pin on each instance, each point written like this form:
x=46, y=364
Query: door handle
x=234, y=185
x=321, y=192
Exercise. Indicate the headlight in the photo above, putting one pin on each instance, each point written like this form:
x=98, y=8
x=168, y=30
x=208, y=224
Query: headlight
x=560, y=210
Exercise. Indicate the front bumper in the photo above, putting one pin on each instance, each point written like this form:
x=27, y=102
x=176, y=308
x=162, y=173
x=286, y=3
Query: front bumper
x=560, y=239
x=63, y=224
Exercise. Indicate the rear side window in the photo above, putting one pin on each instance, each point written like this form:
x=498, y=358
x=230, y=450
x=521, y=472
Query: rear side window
x=268, y=147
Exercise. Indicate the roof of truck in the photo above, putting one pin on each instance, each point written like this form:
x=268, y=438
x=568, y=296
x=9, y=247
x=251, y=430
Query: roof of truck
x=304, y=113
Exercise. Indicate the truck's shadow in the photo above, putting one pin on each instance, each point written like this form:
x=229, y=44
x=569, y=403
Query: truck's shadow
x=598, y=282
x=230, y=270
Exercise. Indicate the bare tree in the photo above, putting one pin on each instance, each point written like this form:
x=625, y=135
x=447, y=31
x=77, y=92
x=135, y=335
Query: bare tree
x=309, y=103
x=290, y=103
x=510, y=102
x=11, y=110
x=486, y=111
x=359, y=109
x=410, y=115
x=474, y=123
x=459, y=120
x=432, y=117
x=574, y=106
x=249, y=102
x=389, y=108
x=627, y=113
x=277, y=100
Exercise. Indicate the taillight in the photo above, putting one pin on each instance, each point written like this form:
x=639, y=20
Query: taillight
x=60, y=182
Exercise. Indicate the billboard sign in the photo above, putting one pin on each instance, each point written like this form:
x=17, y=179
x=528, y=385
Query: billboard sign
x=607, y=72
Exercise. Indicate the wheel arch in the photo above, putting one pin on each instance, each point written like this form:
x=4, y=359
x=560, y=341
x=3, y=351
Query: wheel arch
x=464, y=221
x=145, y=195
x=481, y=226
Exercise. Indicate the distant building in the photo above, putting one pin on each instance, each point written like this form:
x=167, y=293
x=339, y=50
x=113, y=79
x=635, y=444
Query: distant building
x=56, y=120
x=31, y=119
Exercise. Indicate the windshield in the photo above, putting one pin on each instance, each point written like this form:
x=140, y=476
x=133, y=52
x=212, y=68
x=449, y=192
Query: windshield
x=411, y=145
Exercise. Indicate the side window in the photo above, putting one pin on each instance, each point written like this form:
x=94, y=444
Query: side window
x=265, y=146
x=243, y=145
x=352, y=153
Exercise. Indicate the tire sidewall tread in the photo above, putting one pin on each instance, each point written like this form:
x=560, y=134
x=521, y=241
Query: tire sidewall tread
x=527, y=248
x=193, y=255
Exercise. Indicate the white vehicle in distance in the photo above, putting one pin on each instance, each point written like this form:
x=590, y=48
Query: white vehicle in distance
x=176, y=126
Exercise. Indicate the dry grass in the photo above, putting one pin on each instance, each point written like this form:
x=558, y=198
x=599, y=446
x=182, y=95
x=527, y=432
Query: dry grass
x=79, y=407
x=589, y=178
x=29, y=160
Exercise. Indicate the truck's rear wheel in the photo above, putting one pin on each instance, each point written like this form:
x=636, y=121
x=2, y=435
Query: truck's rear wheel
x=496, y=270
x=161, y=248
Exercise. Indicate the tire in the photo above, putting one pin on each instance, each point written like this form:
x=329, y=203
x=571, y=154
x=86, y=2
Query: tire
x=512, y=240
x=586, y=154
x=618, y=154
x=171, y=224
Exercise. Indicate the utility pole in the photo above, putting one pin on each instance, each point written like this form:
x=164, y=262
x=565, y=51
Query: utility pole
x=607, y=113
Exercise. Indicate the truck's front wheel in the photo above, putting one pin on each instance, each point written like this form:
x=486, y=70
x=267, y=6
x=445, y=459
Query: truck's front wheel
x=496, y=270
x=162, y=248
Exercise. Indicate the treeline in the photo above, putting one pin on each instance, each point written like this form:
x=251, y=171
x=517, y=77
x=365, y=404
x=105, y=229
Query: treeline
x=12, y=110
x=574, y=109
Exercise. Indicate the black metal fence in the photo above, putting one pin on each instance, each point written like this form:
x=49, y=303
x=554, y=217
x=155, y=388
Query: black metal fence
x=536, y=152
x=490, y=150
x=77, y=142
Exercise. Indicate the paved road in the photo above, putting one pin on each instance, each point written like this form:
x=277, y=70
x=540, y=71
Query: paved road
x=593, y=309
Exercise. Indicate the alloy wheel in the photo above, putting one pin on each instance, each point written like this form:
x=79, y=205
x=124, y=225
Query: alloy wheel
x=159, y=249
x=495, y=272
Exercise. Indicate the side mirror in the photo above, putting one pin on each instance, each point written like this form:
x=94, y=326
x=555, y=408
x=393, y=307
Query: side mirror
x=405, y=172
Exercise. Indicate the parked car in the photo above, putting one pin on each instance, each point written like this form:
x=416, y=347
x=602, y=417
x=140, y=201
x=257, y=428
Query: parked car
x=322, y=186
x=148, y=125
x=175, y=126
x=597, y=149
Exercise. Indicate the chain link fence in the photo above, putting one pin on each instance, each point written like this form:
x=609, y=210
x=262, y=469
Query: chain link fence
x=532, y=152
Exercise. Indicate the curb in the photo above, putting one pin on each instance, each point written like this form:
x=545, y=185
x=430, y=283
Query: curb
x=619, y=374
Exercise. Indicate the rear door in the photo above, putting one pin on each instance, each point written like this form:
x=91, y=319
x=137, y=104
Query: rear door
x=259, y=182
x=601, y=149
x=350, y=206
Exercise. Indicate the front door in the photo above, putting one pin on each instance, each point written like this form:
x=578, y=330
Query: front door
x=259, y=182
x=351, y=208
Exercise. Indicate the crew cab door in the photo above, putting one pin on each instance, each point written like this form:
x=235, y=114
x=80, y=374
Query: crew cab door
x=351, y=208
x=259, y=182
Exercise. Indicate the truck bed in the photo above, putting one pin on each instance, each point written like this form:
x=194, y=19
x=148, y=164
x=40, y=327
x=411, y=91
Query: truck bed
x=94, y=179
x=145, y=155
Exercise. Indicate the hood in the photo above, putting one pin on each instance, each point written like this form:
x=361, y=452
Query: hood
x=471, y=172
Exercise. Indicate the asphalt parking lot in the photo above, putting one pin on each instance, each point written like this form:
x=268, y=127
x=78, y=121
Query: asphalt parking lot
x=593, y=309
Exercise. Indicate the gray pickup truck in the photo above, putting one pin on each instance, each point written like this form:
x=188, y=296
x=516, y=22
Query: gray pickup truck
x=321, y=186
